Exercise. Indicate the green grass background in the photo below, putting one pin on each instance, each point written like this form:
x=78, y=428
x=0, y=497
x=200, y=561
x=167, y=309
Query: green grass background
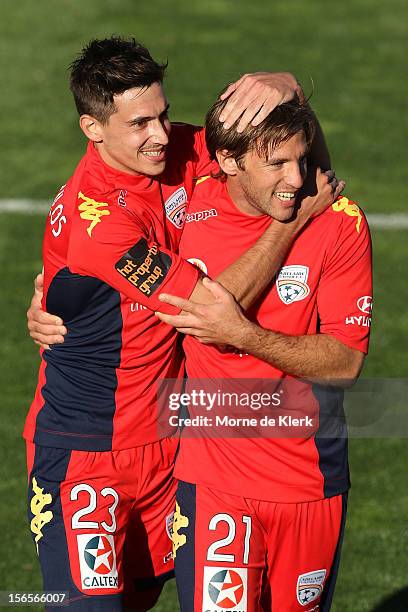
x=355, y=52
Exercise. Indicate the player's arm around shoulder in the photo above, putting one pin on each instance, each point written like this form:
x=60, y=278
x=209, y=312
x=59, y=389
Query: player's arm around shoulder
x=335, y=353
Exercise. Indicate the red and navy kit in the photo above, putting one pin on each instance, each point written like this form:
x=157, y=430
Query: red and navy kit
x=101, y=521
x=237, y=553
x=109, y=249
x=324, y=286
x=101, y=488
x=259, y=521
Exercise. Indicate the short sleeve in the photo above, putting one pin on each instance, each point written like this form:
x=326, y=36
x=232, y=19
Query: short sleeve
x=345, y=289
x=112, y=244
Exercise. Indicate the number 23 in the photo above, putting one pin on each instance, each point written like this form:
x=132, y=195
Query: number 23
x=76, y=518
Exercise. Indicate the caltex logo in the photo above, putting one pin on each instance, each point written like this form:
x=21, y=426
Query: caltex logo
x=97, y=560
x=98, y=555
x=226, y=589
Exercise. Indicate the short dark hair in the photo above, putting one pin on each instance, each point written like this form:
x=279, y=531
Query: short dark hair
x=109, y=67
x=285, y=121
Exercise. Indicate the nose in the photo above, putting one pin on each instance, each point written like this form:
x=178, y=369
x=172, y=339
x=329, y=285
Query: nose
x=295, y=176
x=160, y=132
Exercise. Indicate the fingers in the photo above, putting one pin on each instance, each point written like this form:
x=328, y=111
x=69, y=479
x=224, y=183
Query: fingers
x=341, y=185
x=330, y=174
x=37, y=316
x=45, y=340
x=39, y=283
x=46, y=347
x=230, y=90
x=257, y=111
x=216, y=289
x=174, y=320
x=335, y=184
x=178, y=302
x=254, y=96
x=300, y=93
x=47, y=330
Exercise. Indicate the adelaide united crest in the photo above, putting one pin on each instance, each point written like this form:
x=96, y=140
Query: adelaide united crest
x=291, y=283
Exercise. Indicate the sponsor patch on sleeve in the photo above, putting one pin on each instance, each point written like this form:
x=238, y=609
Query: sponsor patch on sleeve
x=144, y=267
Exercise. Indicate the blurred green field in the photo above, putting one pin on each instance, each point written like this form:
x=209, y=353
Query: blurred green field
x=354, y=51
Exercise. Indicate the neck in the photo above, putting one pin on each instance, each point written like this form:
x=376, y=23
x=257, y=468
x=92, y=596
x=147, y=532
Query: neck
x=239, y=198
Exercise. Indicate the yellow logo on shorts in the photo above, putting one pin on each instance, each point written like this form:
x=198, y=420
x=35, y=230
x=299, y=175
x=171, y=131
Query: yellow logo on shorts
x=41, y=518
x=350, y=208
x=179, y=522
x=90, y=211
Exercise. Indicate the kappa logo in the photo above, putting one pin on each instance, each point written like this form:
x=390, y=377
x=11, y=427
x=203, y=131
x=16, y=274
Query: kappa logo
x=291, y=283
x=91, y=211
x=97, y=560
x=41, y=518
x=179, y=522
x=350, y=208
x=201, y=215
x=310, y=586
x=225, y=589
x=175, y=207
x=198, y=263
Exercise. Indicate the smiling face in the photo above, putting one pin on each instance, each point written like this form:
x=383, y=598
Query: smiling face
x=135, y=136
x=268, y=186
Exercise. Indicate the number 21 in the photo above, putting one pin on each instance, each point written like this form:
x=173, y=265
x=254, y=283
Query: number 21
x=212, y=555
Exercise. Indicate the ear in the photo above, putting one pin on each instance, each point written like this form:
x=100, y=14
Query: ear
x=226, y=162
x=91, y=127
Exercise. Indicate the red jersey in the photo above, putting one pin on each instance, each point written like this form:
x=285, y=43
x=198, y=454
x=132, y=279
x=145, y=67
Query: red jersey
x=109, y=249
x=324, y=286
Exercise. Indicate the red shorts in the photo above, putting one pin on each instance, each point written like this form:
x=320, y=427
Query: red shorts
x=101, y=521
x=234, y=553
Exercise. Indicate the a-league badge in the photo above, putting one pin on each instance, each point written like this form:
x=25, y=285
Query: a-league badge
x=291, y=284
x=225, y=589
x=97, y=560
x=310, y=586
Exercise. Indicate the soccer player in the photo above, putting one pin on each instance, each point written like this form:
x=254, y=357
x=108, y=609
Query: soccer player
x=259, y=520
x=101, y=493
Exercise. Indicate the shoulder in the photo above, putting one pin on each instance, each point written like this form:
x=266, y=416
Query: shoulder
x=207, y=188
x=344, y=216
x=185, y=135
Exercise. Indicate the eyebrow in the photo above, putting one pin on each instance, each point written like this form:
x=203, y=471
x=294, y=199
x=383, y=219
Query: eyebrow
x=137, y=120
x=283, y=160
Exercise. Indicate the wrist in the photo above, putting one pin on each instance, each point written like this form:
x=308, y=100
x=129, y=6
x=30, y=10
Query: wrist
x=291, y=228
x=247, y=330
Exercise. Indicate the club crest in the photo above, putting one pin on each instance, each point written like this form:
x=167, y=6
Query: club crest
x=175, y=207
x=310, y=586
x=292, y=284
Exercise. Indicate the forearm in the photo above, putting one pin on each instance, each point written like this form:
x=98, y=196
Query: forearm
x=317, y=357
x=248, y=276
